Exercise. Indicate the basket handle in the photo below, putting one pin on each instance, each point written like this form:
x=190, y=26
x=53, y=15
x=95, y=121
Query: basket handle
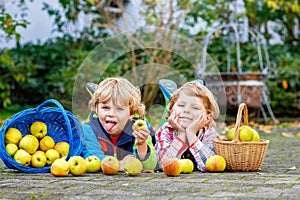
x=242, y=107
x=53, y=101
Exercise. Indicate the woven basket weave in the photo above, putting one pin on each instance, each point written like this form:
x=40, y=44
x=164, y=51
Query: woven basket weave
x=62, y=125
x=241, y=156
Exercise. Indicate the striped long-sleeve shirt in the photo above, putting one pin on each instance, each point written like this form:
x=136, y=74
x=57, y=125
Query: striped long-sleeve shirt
x=168, y=145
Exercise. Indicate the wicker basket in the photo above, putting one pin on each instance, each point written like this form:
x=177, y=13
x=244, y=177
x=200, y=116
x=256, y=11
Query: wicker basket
x=61, y=125
x=241, y=156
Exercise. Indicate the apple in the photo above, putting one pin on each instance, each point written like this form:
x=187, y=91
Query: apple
x=29, y=143
x=139, y=125
x=51, y=156
x=230, y=134
x=38, y=129
x=11, y=149
x=215, y=163
x=60, y=167
x=46, y=143
x=77, y=165
x=110, y=165
x=256, y=137
x=246, y=133
x=171, y=166
x=62, y=148
x=93, y=164
x=22, y=157
x=38, y=159
x=133, y=166
x=12, y=135
x=187, y=166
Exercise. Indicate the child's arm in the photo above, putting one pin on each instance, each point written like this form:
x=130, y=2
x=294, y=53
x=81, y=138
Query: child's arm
x=91, y=144
x=202, y=148
x=168, y=145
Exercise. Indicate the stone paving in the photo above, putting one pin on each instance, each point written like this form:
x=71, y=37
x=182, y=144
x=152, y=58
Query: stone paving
x=278, y=178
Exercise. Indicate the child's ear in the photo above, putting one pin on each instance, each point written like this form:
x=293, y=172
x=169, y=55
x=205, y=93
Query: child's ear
x=209, y=116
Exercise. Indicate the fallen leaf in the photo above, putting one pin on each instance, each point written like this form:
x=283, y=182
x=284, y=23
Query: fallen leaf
x=288, y=135
x=292, y=168
x=298, y=134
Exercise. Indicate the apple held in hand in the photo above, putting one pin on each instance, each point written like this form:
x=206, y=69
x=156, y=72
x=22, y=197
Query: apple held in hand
x=38, y=159
x=215, y=163
x=139, y=125
x=38, y=129
x=77, y=165
x=60, y=167
x=93, y=164
x=171, y=166
x=110, y=165
x=133, y=166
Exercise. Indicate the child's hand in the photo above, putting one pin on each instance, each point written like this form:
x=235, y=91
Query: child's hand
x=198, y=123
x=173, y=121
x=141, y=136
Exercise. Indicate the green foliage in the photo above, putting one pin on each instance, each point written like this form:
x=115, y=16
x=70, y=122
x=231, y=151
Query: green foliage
x=33, y=73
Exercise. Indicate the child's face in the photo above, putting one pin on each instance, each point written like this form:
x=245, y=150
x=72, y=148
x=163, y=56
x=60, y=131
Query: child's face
x=188, y=108
x=113, y=118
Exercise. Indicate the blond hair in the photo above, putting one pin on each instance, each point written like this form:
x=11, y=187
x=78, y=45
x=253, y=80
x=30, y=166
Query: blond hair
x=198, y=90
x=121, y=92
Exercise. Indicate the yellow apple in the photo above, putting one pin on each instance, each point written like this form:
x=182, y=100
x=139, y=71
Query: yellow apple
x=11, y=149
x=110, y=165
x=51, y=156
x=62, y=148
x=133, y=166
x=77, y=165
x=215, y=163
x=38, y=129
x=93, y=164
x=60, y=167
x=139, y=125
x=171, y=166
x=246, y=133
x=256, y=137
x=38, y=159
x=22, y=157
x=29, y=143
x=46, y=143
x=12, y=135
x=187, y=166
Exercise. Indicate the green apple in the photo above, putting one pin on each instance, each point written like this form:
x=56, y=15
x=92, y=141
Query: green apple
x=139, y=125
x=133, y=166
x=246, y=133
x=93, y=164
x=60, y=167
x=38, y=159
x=110, y=165
x=12, y=135
x=22, y=157
x=187, y=166
x=38, y=129
x=11, y=149
x=51, y=156
x=29, y=143
x=77, y=165
x=230, y=134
